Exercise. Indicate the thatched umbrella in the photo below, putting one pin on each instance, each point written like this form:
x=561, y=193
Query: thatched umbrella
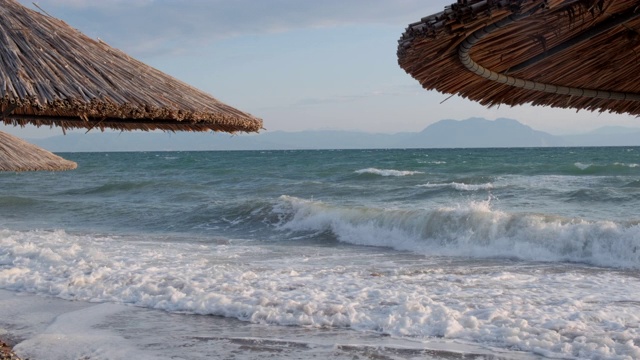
x=581, y=54
x=18, y=155
x=51, y=74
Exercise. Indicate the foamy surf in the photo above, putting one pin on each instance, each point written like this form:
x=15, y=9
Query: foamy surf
x=397, y=294
x=109, y=331
x=460, y=186
x=388, y=172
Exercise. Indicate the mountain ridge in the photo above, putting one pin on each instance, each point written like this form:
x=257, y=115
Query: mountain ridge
x=447, y=133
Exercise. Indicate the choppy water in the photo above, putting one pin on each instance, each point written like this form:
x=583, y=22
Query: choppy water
x=508, y=252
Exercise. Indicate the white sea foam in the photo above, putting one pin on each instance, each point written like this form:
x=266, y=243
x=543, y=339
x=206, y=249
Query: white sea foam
x=88, y=342
x=633, y=165
x=460, y=186
x=568, y=313
x=582, y=166
x=387, y=172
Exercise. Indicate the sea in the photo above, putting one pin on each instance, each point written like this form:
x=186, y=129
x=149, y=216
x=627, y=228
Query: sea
x=505, y=253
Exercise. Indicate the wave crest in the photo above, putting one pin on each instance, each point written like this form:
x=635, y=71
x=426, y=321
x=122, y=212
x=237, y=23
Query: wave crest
x=473, y=230
x=606, y=169
x=387, y=172
x=461, y=186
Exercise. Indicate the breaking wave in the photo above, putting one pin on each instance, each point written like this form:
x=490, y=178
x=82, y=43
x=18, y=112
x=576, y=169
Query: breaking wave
x=473, y=230
x=461, y=186
x=387, y=172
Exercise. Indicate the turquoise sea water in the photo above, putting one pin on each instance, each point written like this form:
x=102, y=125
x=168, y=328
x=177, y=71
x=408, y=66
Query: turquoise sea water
x=493, y=252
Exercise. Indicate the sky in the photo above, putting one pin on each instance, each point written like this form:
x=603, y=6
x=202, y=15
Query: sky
x=297, y=64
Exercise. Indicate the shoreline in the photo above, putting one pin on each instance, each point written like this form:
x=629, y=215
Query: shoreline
x=6, y=351
x=50, y=328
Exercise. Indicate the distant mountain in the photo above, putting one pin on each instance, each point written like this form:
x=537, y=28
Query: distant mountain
x=480, y=133
x=470, y=133
x=159, y=141
x=332, y=139
x=151, y=141
x=606, y=136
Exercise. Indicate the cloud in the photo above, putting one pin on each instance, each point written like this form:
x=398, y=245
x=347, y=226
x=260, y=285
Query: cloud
x=145, y=26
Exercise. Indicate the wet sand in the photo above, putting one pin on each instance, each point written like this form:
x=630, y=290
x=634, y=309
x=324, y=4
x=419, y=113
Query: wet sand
x=6, y=352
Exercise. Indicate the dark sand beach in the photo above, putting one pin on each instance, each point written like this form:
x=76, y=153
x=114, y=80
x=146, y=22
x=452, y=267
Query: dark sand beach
x=6, y=351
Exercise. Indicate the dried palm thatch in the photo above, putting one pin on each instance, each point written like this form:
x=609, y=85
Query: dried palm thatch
x=581, y=54
x=18, y=155
x=51, y=74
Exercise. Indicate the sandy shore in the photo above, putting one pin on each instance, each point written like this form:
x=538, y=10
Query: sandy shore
x=6, y=352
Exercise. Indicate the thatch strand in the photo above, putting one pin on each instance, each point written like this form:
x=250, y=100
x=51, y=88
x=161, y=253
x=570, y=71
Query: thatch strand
x=458, y=51
x=18, y=155
x=467, y=61
x=55, y=75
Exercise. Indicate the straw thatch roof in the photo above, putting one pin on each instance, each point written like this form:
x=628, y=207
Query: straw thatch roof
x=581, y=54
x=18, y=155
x=51, y=74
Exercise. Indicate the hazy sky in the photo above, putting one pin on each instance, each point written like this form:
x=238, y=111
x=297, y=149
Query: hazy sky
x=298, y=64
